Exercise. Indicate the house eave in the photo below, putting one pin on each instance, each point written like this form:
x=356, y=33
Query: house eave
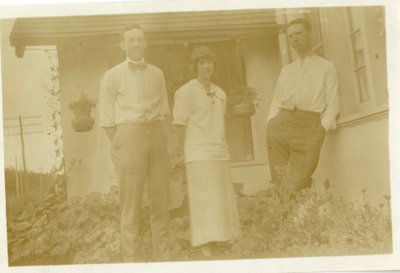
x=188, y=25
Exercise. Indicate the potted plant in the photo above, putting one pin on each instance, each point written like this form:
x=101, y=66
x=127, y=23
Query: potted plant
x=243, y=101
x=82, y=109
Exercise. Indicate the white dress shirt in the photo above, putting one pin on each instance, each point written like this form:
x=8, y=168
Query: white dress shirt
x=204, y=118
x=132, y=95
x=310, y=84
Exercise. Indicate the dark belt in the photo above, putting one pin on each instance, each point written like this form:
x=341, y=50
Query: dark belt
x=300, y=111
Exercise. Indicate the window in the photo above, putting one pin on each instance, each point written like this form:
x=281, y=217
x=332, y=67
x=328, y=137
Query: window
x=358, y=52
x=354, y=40
x=374, y=18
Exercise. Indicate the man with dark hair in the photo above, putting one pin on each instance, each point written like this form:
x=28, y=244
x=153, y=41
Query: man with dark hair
x=133, y=104
x=306, y=24
x=304, y=107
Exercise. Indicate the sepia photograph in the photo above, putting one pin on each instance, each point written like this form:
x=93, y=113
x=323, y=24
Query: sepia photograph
x=244, y=133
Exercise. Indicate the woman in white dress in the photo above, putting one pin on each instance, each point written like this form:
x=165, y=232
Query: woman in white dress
x=199, y=117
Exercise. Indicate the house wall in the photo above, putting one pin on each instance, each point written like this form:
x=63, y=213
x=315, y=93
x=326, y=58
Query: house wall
x=80, y=72
x=355, y=158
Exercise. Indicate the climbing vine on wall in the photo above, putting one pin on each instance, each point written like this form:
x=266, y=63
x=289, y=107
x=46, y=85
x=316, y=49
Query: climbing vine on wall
x=51, y=90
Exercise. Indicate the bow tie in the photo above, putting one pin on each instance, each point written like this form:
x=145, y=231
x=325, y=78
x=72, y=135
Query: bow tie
x=135, y=66
x=212, y=95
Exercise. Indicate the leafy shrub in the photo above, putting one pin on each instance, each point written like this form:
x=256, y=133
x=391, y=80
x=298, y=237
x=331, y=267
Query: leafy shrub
x=275, y=223
x=60, y=231
x=278, y=223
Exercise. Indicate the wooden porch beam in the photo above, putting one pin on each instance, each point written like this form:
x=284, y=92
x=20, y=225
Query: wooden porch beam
x=20, y=51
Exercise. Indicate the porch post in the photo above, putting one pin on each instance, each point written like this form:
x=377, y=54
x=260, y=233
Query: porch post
x=282, y=38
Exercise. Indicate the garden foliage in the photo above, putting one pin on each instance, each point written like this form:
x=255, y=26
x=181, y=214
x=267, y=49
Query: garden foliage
x=310, y=224
x=275, y=223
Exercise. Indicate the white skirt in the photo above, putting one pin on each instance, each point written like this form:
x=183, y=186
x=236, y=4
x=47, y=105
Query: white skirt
x=212, y=202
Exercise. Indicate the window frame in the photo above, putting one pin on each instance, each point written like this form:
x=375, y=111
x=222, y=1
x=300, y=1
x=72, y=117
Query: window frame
x=369, y=105
x=366, y=111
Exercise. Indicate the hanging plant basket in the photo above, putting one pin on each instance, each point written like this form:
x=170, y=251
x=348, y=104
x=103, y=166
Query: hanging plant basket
x=82, y=108
x=243, y=101
x=78, y=112
x=82, y=124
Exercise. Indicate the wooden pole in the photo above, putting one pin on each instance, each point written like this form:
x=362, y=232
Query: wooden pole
x=21, y=133
x=16, y=178
x=21, y=183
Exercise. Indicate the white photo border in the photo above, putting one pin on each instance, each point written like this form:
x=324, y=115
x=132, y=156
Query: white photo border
x=37, y=8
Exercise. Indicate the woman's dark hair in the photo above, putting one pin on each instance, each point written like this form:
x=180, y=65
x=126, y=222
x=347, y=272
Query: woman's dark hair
x=201, y=52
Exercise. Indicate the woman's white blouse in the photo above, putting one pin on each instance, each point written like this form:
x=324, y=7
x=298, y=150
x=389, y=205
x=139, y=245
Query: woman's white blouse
x=203, y=114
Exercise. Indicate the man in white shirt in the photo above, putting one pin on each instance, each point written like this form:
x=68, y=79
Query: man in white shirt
x=303, y=109
x=133, y=104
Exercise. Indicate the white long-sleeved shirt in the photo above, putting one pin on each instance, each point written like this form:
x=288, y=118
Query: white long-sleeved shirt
x=128, y=95
x=311, y=85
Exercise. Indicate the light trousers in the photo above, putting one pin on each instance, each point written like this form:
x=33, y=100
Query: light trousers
x=139, y=154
